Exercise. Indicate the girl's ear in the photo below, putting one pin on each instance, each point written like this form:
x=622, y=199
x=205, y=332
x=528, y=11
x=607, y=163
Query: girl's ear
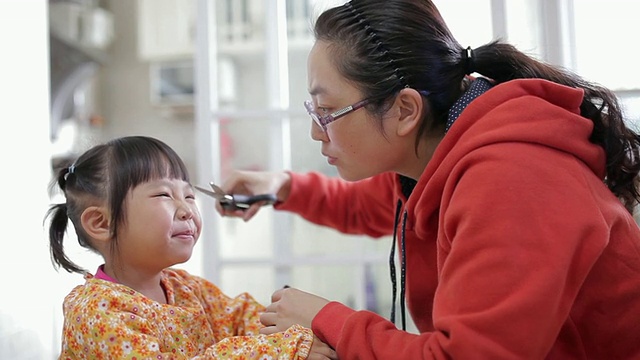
x=411, y=105
x=96, y=222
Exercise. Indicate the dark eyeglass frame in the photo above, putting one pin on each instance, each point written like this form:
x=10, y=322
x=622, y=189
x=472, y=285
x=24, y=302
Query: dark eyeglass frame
x=323, y=121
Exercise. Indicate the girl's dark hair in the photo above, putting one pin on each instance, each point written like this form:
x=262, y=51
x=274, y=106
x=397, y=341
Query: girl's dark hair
x=383, y=46
x=104, y=174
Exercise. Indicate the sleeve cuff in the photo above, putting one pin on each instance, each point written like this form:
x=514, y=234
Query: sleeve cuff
x=297, y=198
x=328, y=323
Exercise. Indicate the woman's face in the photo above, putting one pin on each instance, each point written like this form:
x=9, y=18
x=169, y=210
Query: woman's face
x=355, y=143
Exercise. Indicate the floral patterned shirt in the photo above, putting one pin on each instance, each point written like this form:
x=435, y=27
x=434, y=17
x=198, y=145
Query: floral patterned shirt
x=107, y=320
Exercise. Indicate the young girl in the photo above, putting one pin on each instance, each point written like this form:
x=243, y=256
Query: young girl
x=130, y=200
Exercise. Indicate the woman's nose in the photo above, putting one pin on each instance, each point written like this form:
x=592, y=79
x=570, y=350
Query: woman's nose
x=317, y=133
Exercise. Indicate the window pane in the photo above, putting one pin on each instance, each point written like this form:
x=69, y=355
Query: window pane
x=311, y=239
x=523, y=26
x=333, y=282
x=346, y=283
x=256, y=280
x=606, y=42
x=247, y=240
x=471, y=26
x=318, y=6
x=468, y=20
x=631, y=108
x=245, y=142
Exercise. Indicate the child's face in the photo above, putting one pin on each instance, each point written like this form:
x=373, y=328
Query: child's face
x=162, y=225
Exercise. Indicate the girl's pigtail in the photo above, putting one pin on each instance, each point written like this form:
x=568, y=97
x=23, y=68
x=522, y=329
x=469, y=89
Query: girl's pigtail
x=59, y=221
x=57, y=230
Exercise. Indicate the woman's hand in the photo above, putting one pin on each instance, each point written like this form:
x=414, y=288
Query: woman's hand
x=321, y=351
x=288, y=307
x=254, y=183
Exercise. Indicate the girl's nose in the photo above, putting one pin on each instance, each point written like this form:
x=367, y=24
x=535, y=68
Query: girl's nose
x=184, y=212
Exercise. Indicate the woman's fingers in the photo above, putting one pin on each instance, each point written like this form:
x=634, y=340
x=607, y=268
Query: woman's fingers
x=250, y=212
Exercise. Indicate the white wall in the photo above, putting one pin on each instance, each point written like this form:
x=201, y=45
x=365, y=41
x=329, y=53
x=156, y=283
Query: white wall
x=125, y=91
x=27, y=276
x=32, y=291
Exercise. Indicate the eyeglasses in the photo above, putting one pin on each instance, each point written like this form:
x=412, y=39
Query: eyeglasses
x=323, y=121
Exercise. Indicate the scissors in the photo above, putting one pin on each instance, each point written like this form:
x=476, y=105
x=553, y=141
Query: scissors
x=237, y=201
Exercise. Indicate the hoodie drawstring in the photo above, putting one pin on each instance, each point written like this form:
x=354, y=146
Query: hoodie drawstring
x=477, y=87
x=403, y=271
x=392, y=264
x=403, y=268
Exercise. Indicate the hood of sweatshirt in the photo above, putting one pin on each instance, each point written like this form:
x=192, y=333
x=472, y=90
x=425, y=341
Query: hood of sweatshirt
x=530, y=111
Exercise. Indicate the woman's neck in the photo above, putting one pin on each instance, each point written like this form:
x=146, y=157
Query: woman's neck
x=414, y=167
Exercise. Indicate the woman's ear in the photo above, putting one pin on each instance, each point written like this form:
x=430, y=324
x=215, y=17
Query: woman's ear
x=96, y=223
x=411, y=105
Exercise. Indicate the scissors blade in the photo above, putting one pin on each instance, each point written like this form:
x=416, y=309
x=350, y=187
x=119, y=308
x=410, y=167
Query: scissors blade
x=227, y=201
x=217, y=196
x=217, y=189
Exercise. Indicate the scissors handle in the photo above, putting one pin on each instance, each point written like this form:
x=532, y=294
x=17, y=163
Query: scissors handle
x=237, y=201
x=243, y=202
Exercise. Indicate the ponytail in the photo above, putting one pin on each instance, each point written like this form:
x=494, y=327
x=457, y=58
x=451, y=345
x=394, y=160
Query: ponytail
x=503, y=62
x=59, y=214
x=57, y=229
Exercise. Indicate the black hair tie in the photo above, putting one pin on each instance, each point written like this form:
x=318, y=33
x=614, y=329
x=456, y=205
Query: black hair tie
x=467, y=57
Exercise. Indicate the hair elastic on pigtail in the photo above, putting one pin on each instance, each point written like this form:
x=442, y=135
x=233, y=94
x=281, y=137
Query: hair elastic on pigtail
x=70, y=170
x=467, y=57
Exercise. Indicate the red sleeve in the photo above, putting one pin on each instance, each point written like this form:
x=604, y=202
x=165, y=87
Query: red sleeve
x=366, y=335
x=365, y=207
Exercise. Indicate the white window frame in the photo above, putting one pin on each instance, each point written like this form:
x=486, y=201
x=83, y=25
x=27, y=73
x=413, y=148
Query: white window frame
x=557, y=46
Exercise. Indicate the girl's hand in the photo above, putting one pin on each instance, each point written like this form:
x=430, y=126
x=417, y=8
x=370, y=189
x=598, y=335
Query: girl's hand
x=321, y=351
x=290, y=306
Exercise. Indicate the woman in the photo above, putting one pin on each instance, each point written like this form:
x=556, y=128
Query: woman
x=510, y=195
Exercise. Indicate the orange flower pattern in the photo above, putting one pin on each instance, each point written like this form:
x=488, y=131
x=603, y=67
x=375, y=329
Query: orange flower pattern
x=106, y=320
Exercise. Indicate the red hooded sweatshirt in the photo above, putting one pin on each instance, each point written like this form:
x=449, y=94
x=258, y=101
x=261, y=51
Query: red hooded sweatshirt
x=515, y=248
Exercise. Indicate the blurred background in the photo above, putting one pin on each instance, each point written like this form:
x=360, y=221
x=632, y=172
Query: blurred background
x=222, y=82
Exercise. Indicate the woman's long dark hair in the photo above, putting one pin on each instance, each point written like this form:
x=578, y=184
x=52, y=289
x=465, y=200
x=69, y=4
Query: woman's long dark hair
x=104, y=174
x=383, y=46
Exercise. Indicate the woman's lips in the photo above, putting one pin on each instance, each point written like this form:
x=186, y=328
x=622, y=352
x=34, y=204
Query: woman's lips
x=330, y=159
